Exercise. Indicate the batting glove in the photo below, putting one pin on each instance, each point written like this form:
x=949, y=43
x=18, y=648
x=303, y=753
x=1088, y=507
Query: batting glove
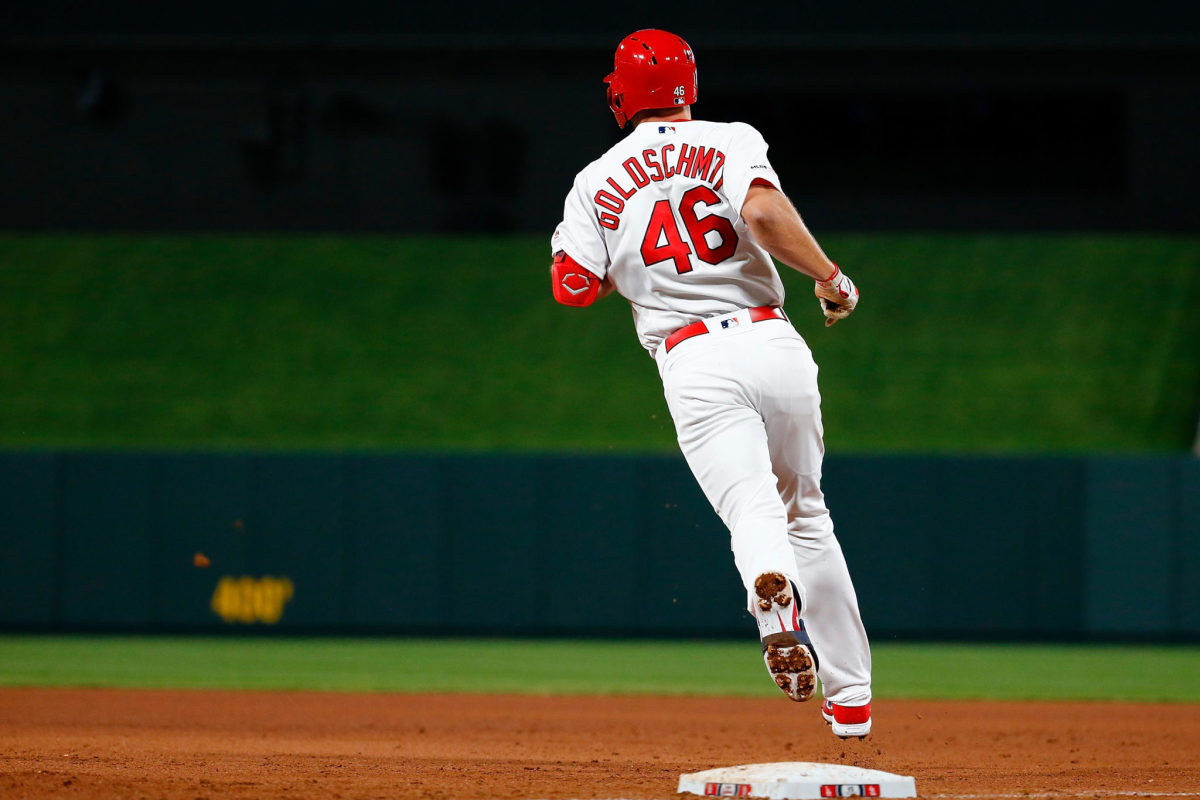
x=837, y=295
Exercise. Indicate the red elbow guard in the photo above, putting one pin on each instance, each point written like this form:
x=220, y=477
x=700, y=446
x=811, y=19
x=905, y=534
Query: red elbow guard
x=573, y=285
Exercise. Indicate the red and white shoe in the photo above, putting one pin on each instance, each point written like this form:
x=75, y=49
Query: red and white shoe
x=847, y=721
x=788, y=652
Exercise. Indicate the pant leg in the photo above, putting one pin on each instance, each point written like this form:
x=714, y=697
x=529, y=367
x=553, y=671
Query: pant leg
x=791, y=406
x=724, y=441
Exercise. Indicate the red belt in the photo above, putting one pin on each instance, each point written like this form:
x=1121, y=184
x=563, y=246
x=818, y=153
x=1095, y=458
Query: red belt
x=699, y=328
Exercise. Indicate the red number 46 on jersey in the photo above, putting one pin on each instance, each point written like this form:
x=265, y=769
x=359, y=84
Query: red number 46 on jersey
x=663, y=241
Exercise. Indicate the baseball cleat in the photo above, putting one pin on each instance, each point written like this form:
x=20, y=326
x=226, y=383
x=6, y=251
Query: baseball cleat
x=847, y=721
x=787, y=650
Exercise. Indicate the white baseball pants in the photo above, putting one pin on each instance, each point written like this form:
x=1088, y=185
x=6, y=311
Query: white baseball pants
x=747, y=414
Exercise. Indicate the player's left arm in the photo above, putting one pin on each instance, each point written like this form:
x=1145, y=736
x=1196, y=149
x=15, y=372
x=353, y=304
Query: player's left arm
x=579, y=270
x=575, y=285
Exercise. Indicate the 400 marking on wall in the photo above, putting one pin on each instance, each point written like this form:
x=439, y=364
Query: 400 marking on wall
x=249, y=600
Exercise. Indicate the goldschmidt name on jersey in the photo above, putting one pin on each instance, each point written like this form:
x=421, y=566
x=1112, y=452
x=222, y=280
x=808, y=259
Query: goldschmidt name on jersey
x=653, y=166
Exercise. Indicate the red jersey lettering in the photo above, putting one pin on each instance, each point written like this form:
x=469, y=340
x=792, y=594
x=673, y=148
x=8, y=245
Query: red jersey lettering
x=636, y=172
x=652, y=164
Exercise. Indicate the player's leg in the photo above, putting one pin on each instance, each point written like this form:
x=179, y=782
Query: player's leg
x=725, y=445
x=722, y=437
x=833, y=621
x=792, y=414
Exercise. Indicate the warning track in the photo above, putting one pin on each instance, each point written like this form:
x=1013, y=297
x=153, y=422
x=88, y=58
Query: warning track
x=188, y=744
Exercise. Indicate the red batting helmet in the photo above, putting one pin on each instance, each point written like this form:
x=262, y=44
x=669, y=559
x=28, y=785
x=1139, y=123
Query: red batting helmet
x=651, y=69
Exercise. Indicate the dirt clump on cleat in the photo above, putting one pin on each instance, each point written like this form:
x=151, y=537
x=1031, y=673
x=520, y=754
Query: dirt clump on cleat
x=772, y=588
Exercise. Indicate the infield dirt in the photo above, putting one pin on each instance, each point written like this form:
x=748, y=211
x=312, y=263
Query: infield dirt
x=185, y=745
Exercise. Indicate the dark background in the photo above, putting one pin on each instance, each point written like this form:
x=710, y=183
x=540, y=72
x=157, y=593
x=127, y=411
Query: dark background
x=1094, y=548
x=475, y=116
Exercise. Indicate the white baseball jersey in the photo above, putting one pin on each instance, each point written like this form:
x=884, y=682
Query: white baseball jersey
x=659, y=214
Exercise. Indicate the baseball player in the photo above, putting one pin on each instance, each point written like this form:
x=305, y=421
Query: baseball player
x=682, y=218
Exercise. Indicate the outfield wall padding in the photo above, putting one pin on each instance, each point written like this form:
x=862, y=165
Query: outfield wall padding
x=1005, y=548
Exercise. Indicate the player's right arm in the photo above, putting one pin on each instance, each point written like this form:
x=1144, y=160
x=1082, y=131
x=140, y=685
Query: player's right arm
x=777, y=226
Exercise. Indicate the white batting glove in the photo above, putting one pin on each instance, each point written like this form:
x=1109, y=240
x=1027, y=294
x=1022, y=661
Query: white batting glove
x=838, y=296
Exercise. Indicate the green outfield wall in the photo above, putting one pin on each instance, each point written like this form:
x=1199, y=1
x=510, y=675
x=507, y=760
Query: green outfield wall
x=1041, y=548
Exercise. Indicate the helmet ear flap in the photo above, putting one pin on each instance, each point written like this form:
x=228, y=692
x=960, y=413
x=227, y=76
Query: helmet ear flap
x=616, y=99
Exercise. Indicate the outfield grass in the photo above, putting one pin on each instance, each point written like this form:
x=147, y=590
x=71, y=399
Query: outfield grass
x=961, y=344
x=929, y=671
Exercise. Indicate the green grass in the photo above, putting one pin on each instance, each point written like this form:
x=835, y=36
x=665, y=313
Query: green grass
x=1000, y=672
x=961, y=344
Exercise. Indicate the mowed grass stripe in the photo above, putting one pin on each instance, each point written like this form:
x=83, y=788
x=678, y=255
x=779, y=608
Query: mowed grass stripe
x=929, y=671
x=962, y=343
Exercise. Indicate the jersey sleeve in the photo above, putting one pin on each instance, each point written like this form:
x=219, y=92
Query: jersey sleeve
x=579, y=233
x=746, y=162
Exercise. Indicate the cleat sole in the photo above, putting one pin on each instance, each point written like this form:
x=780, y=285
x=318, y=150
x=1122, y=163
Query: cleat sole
x=791, y=667
x=788, y=654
